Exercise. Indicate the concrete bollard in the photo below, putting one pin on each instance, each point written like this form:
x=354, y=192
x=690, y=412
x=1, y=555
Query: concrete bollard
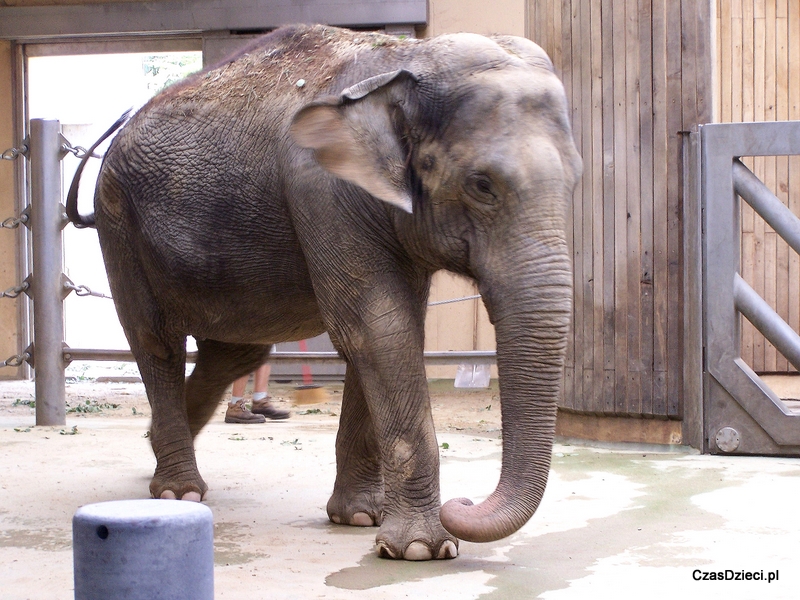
x=143, y=550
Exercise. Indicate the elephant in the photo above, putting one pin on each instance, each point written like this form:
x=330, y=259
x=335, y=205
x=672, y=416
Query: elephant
x=315, y=182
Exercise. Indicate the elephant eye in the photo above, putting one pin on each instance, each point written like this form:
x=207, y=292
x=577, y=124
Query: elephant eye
x=481, y=187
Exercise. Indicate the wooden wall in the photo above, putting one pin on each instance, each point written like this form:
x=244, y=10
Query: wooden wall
x=638, y=73
x=9, y=239
x=758, y=45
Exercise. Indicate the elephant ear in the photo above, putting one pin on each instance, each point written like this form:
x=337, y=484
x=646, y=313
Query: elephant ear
x=354, y=136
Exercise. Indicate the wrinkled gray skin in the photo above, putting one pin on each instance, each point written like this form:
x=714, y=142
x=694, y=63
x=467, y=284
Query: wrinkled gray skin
x=244, y=208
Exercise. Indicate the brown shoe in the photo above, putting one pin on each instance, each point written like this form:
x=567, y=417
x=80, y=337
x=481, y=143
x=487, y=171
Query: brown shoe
x=238, y=413
x=264, y=407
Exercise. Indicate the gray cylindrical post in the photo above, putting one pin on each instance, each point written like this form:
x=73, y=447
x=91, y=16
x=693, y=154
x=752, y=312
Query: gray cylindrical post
x=48, y=310
x=143, y=549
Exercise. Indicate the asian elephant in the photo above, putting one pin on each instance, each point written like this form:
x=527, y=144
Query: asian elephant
x=315, y=182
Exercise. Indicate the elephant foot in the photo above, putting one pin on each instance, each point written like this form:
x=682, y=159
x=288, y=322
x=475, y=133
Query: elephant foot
x=399, y=539
x=173, y=489
x=359, y=510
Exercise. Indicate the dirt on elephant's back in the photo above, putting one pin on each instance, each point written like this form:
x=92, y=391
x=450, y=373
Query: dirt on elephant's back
x=295, y=61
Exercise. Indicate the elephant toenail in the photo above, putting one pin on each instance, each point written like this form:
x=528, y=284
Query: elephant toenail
x=336, y=519
x=362, y=519
x=448, y=550
x=384, y=551
x=417, y=551
x=191, y=497
x=168, y=495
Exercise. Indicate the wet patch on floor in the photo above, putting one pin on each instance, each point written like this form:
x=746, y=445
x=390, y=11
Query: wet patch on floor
x=48, y=539
x=598, y=505
x=228, y=541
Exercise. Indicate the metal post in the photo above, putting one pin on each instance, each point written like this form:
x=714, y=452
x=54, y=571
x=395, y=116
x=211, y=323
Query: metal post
x=47, y=221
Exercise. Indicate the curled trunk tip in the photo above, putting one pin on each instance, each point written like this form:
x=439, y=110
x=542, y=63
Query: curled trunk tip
x=485, y=522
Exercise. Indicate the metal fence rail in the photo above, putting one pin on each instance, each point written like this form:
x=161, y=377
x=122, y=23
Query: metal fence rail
x=477, y=357
x=766, y=204
x=45, y=285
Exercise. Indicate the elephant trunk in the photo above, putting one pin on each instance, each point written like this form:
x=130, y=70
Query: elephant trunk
x=531, y=320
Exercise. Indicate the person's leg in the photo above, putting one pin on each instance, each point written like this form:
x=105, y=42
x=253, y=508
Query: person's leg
x=261, y=400
x=237, y=409
x=239, y=386
x=261, y=382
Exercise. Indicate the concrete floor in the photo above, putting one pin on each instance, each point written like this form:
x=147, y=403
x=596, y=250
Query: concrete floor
x=621, y=522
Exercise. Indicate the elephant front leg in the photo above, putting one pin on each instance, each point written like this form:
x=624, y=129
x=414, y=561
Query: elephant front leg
x=411, y=527
x=357, y=497
x=400, y=408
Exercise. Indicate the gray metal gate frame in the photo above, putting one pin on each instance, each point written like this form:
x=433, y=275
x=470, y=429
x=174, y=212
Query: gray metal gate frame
x=741, y=414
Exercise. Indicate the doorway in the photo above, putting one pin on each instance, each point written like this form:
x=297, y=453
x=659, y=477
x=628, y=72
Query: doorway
x=87, y=91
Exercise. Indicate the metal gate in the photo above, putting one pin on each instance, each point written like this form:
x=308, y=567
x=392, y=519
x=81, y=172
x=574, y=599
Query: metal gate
x=741, y=414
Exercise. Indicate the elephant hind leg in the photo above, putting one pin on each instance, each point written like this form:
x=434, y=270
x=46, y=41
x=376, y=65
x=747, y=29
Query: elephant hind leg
x=162, y=361
x=218, y=365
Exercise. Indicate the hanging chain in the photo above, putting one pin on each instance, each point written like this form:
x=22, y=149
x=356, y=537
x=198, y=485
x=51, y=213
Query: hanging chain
x=15, y=153
x=66, y=146
x=13, y=292
x=14, y=222
x=77, y=151
x=16, y=360
x=82, y=290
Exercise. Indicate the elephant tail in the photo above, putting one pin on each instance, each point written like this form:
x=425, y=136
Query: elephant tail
x=73, y=215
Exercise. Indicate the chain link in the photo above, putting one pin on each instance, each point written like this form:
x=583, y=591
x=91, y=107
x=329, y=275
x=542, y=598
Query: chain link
x=82, y=290
x=13, y=292
x=77, y=151
x=15, y=153
x=14, y=222
x=16, y=360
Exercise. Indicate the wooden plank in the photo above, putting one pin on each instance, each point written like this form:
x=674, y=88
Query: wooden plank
x=704, y=60
x=770, y=292
x=759, y=91
x=646, y=300
x=582, y=342
x=584, y=30
x=10, y=310
x=569, y=384
x=596, y=164
x=748, y=332
x=782, y=164
x=609, y=168
x=748, y=57
x=674, y=224
x=634, y=199
x=531, y=29
x=793, y=85
x=736, y=62
x=620, y=208
x=640, y=431
x=726, y=62
x=661, y=103
x=770, y=246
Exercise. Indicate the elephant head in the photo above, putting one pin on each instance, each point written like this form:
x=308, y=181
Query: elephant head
x=470, y=139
